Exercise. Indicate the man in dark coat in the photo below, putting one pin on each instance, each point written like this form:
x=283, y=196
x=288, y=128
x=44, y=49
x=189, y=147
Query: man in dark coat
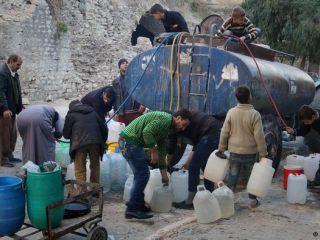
x=310, y=120
x=148, y=27
x=10, y=106
x=204, y=133
x=131, y=109
x=87, y=134
x=173, y=21
x=101, y=100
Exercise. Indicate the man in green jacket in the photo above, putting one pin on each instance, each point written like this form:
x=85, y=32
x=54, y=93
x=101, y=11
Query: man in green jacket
x=148, y=131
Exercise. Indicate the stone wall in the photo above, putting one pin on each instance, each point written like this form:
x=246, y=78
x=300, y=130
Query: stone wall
x=73, y=46
x=28, y=30
x=68, y=64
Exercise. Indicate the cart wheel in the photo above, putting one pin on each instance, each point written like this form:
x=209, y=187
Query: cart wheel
x=98, y=233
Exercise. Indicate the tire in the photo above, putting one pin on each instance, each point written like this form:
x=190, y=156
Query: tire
x=273, y=138
x=98, y=233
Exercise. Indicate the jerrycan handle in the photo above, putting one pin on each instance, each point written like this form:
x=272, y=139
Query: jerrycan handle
x=201, y=188
x=220, y=184
x=266, y=161
x=221, y=155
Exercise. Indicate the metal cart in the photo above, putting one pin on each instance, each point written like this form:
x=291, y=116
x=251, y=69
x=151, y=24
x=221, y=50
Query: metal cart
x=88, y=222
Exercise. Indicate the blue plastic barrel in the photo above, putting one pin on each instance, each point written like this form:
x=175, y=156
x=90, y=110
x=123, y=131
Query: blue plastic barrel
x=12, y=205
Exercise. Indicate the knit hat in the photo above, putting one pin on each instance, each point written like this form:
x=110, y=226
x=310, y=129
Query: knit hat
x=121, y=61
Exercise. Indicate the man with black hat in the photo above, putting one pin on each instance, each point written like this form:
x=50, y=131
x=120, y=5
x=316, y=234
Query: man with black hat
x=131, y=109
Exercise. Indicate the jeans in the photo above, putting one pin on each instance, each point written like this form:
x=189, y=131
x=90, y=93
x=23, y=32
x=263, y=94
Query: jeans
x=238, y=161
x=202, y=151
x=137, y=161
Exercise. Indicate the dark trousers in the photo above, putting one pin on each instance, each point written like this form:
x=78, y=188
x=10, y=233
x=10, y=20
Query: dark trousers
x=202, y=151
x=8, y=138
x=238, y=162
x=137, y=161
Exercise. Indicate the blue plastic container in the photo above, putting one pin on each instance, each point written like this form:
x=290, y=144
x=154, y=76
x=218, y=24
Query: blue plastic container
x=12, y=205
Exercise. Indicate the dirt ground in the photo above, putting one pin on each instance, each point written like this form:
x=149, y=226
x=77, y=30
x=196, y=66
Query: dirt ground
x=274, y=219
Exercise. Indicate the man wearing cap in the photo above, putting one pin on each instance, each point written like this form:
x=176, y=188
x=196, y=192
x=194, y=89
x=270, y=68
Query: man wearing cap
x=131, y=109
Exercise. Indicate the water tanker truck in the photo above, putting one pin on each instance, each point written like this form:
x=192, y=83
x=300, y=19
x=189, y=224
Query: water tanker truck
x=203, y=71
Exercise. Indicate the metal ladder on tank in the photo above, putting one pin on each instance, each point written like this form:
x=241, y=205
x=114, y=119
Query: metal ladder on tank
x=193, y=75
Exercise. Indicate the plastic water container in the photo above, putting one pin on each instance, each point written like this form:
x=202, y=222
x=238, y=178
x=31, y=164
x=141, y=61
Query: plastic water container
x=295, y=160
x=118, y=166
x=70, y=175
x=225, y=197
x=260, y=178
x=127, y=188
x=297, y=189
x=206, y=206
x=293, y=169
x=161, y=199
x=179, y=183
x=105, y=174
x=311, y=166
x=216, y=168
x=115, y=129
x=12, y=205
x=43, y=189
x=155, y=181
x=62, y=154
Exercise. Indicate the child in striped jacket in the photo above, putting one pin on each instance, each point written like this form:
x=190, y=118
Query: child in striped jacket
x=239, y=25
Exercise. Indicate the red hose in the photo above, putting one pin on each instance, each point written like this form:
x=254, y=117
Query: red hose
x=262, y=80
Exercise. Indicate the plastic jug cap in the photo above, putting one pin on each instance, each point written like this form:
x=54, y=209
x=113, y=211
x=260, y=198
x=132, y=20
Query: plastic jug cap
x=220, y=184
x=201, y=188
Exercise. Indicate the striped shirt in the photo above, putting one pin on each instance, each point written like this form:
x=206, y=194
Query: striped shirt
x=150, y=130
x=247, y=29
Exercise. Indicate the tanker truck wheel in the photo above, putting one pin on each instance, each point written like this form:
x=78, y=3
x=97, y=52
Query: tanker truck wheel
x=273, y=138
x=312, y=139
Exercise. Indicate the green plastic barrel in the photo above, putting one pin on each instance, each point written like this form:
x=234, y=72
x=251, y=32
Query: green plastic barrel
x=43, y=189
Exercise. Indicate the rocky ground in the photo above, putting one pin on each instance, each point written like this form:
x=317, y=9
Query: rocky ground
x=274, y=219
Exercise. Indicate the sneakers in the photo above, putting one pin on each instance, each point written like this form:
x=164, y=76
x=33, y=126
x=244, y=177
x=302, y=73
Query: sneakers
x=254, y=203
x=137, y=214
x=184, y=205
x=145, y=209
